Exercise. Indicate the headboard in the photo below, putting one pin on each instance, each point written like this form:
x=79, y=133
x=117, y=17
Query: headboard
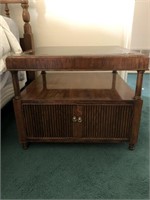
x=27, y=42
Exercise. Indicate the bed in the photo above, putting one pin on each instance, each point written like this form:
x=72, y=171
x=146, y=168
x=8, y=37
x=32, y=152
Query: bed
x=11, y=43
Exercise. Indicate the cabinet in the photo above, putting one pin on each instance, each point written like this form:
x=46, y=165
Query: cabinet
x=78, y=105
x=84, y=122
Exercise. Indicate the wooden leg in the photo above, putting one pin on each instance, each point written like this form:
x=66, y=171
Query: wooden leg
x=18, y=110
x=20, y=121
x=114, y=80
x=137, y=110
x=136, y=122
x=44, y=80
x=25, y=145
x=16, y=84
x=131, y=147
x=139, y=85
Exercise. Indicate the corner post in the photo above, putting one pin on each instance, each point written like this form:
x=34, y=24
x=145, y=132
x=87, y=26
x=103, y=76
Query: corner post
x=18, y=111
x=136, y=110
x=16, y=84
x=7, y=10
x=139, y=81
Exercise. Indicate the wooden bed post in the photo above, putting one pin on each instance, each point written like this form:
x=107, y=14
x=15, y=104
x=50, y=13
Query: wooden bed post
x=7, y=10
x=28, y=43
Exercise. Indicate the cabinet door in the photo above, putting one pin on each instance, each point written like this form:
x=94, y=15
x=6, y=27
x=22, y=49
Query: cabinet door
x=44, y=121
x=107, y=121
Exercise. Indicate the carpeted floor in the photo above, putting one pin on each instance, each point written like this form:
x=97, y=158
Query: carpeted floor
x=75, y=171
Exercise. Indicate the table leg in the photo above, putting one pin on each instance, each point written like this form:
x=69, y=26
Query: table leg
x=16, y=84
x=114, y=80
x=137, y=110
x=44, y=80
x=139, y=81
x=18, y=111
x=25, y=145
x=131, y=147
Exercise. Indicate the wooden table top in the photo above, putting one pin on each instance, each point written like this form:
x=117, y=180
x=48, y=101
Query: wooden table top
x=90, y=58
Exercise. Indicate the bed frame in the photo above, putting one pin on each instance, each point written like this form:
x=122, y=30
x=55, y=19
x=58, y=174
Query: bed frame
x=27, y=42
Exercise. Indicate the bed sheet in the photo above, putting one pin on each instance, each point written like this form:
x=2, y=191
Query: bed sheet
x=9, y=43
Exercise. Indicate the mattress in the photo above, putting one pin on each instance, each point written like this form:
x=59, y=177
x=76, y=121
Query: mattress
x=9, y=44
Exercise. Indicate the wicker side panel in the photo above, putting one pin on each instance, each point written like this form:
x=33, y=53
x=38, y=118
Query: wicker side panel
x=107, y=121
x=42, y=121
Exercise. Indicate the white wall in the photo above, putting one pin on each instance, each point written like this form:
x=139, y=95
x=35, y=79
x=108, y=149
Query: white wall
x=141, y=25
x=77, y=22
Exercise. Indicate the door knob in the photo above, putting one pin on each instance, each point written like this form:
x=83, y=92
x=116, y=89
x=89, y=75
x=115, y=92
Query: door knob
x=74, y=119
x=79, y=119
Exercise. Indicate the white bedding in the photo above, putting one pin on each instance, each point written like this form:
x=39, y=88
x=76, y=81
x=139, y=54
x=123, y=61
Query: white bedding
x=9, y=37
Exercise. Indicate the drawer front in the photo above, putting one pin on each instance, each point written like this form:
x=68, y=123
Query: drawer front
x=107, y=121
x=44, y=121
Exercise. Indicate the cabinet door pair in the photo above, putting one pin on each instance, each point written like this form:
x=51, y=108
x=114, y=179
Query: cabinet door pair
x=101, y=121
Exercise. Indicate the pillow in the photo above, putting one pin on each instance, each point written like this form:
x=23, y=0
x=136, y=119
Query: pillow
x=3, y=63
x=13, y=27
x=9, y=43
x=4, y=43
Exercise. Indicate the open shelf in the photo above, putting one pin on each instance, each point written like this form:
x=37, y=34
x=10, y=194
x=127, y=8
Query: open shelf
x=80, y=86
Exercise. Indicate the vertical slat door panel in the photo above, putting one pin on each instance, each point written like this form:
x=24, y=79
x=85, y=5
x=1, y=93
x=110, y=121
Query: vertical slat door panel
x=107, y=121
x=42, y=121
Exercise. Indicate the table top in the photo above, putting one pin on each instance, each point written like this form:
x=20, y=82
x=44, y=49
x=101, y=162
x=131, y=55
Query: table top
x=78, y=58
x=81, y=51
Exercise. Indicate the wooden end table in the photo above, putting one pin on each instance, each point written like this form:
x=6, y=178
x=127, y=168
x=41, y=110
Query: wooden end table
x=79, y=102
